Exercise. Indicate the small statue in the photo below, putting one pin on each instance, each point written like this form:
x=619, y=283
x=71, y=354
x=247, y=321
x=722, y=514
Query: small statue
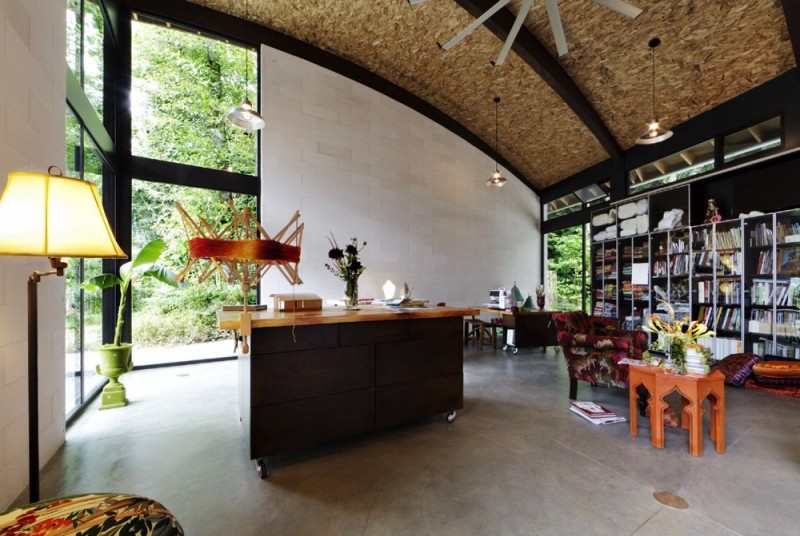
x=712, y=212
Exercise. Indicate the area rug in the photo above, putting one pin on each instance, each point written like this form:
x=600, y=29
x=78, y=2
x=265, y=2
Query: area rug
x=793, y=392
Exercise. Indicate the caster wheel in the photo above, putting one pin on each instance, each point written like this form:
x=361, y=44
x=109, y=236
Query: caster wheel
x=451, y=416
x=261, y=468
x=515, y=351
x=505, y=347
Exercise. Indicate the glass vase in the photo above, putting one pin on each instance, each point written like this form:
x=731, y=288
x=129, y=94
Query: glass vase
x=351, y=294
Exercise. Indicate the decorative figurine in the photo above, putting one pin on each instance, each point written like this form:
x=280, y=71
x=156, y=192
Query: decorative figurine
x=712, y=212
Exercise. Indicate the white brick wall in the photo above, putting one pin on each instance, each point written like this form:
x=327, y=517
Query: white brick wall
x=32, y=104
x=356, y=163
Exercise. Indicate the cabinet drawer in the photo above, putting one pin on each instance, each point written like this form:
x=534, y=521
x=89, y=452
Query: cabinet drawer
x=410, y=401
x=414, y=360
x=435, y=328
x=274, y=340
x=301, y=423
x=372, y=332
x=297, y=375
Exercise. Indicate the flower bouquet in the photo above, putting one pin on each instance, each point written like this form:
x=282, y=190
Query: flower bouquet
x=347, y=266
x=679, y=337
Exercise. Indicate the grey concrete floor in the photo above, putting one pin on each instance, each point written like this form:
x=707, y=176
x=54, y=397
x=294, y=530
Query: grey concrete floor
x=515, y=461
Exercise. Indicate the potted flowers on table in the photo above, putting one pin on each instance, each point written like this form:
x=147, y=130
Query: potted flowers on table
x=347, y=266
x=678, y=338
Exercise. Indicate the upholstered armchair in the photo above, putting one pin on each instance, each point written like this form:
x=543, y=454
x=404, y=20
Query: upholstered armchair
x=593, y=347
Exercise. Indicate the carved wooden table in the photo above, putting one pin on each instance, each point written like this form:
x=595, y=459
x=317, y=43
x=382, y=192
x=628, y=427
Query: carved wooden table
x=693, y=390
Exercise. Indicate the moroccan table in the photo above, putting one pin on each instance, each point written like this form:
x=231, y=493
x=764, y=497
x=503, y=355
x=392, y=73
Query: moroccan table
x=693, y=388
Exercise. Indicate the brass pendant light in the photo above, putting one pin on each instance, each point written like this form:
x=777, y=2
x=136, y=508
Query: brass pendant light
x=496, y=180
x=244, y=115
x=655, y=133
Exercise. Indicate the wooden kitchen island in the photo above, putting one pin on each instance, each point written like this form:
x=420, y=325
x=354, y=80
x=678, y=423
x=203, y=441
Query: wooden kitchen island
x=315, y=376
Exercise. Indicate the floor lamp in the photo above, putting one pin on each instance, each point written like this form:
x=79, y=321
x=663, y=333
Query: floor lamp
x=46, y=215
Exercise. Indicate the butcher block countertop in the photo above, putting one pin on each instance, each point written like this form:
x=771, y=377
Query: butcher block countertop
x=339, y=315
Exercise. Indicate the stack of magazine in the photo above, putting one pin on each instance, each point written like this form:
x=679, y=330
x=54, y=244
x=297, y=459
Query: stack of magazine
x=594, y=413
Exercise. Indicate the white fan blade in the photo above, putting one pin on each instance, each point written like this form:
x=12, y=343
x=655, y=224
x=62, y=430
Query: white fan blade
x=523, y=12
x=556, y=27
x=621, y=7
x=477, y=22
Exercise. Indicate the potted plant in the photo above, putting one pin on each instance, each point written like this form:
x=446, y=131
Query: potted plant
x=115, y=358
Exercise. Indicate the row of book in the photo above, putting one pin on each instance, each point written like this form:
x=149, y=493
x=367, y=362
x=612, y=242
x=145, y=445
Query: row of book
x=781, y=292
x=724, y=318
x=594, y=412
x=767, y=347
x=765, y=263
x=730, y=239
x=761, y=235
x=786, y=229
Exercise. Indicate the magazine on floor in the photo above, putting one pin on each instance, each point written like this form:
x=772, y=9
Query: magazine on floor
x=594, y=412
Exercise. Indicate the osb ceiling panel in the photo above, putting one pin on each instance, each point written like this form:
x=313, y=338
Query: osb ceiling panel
x=711, y=51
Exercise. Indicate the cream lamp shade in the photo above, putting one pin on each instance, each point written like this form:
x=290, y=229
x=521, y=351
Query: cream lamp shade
x=388, y=289
x=54, y=216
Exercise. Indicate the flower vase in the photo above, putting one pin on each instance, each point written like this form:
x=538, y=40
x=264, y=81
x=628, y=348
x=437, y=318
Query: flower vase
x=540, y=302
x=351, y=294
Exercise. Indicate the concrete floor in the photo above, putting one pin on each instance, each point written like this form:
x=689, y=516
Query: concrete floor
x=515, y=461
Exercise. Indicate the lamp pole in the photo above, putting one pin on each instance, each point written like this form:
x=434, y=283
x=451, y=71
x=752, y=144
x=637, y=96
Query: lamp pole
x=33, y=374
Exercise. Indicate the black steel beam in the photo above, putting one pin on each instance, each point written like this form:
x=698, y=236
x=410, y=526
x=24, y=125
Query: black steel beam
x=539, y=59
x=791, y=10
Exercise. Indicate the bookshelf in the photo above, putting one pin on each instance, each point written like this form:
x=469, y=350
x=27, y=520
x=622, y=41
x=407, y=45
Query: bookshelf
x=739, y=276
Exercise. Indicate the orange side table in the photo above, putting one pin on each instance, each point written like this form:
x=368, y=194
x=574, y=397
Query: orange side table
x=693, y=388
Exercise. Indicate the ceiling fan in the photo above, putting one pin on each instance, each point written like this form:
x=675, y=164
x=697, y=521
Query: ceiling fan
x=620, y=6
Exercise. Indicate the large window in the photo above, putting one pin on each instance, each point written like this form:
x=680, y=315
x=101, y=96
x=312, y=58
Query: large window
x=566, y=277
x=84, y=310
x=85, y=33
x=183, y=85
x=179, y=324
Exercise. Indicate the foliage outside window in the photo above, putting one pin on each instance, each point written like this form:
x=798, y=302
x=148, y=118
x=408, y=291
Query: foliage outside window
x=168, y=317
x=84, y=311
x=85, y=34
x=183, y=85
x=565, y=273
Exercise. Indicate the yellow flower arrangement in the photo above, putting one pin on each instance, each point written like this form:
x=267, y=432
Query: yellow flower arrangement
x=677, y=335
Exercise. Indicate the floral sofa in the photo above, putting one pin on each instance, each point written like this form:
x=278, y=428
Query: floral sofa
x=593, y=346
x=103, y=514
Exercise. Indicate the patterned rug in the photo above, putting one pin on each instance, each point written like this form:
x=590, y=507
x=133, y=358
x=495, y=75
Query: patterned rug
x=793, y=392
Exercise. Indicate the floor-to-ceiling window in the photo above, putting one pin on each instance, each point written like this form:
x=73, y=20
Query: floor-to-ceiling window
x=88, y=159
x=183, y=83
x=158, y=139
x=567, y=278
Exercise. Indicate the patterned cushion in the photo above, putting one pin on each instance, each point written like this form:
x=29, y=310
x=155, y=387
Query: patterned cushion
x=573, y=322
x=737, y=367
x=96, y=514
x=777, y=373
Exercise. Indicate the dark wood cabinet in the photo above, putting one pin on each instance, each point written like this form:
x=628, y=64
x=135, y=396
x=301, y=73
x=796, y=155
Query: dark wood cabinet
x=339, y=380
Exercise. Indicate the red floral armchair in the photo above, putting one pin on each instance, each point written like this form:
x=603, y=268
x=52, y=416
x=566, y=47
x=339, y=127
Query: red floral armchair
x=593, y=347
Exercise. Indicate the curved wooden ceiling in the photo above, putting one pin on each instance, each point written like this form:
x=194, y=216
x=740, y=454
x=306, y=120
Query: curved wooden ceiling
x=711, y=51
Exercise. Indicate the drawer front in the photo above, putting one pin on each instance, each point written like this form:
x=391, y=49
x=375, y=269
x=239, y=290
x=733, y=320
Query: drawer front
x=411, y=401
x=435, y=328
x=296, y=375
x=414, y=360
x=372, y=332
x=275, y=340
x=301, y=423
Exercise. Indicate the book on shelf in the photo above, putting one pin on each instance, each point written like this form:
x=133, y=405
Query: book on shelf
x=608, y=419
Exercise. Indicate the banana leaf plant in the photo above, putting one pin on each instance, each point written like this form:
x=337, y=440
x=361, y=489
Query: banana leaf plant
x=143, y=264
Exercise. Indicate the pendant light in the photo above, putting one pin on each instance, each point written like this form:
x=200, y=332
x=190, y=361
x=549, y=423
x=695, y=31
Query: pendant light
x=654, y=133
x=244, y=115
x=496, y=180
